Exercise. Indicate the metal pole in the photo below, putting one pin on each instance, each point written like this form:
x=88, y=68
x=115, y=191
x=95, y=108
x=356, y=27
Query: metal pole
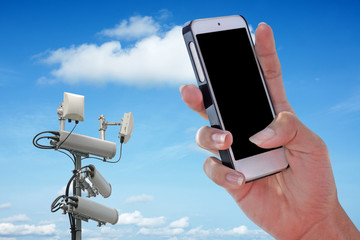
x=77, y=192
x=61, y=118
x=102, y=127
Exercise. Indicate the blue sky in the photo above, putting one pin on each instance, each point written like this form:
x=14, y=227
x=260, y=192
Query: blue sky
x=129, y=57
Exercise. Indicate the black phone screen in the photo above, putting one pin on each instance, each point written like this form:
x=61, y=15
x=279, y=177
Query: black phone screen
x=237, y=85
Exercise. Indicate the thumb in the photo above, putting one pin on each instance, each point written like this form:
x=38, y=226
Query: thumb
x=287, y=130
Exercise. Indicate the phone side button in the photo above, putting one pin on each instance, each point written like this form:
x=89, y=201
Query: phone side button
x=213, y=117
x=197, y=62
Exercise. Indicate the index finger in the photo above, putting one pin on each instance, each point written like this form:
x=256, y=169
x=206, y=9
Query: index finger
x=193, y=98
x=270, y=64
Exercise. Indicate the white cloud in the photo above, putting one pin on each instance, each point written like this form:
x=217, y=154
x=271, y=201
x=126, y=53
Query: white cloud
x=9, y=229
x=158, y=57
x=198, y=231
x=237, y=231
x=5, y=205
x=180, y=223
x=153, y=60
x=241, y=230
x=137, y=27
x=137, y=219
x=16, y=218
x=161, y=231
x=105, y=233
x=140, y=198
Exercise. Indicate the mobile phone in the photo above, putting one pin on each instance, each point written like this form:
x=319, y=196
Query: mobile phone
x=234, y=91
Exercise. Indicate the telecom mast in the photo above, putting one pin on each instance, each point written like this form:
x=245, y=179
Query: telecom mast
x=86, y=178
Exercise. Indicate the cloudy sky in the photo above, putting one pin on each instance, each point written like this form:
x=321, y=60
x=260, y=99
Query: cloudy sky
x=130, y=57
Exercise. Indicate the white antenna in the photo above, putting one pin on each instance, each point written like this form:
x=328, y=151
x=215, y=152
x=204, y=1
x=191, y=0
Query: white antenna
x=73, y=106
x=86, y=178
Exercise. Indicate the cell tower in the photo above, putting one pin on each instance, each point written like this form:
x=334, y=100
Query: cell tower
x=86, y=178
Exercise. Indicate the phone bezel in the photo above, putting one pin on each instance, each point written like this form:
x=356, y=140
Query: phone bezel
x=256, y=166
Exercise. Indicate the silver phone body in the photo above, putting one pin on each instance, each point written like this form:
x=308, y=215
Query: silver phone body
x=255, y=166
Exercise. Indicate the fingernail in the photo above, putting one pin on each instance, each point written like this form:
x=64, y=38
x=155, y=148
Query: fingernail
x=181, y=87
x=235, y=179
x=219, y=138
x=262, y=136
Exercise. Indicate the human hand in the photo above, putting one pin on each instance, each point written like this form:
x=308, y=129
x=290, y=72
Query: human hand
x=298, y=203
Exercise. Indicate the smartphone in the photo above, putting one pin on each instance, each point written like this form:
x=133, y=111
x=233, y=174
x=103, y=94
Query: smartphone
x=235, y=95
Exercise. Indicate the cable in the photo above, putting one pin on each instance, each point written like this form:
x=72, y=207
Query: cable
x=76, y=173
x=68, y=185
x=107, y=161
x=41, y=146
x=59, y=201
x=56, y=138
x=72, y=159
x=55, y=206
x=72, y=226
x=76, y=123
x=121, y=144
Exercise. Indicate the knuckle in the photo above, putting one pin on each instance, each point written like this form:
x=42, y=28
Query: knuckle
x=287, y=117
x=208, y=138
x=272, y=73
x=199, y=136
x=321, y=146
x=287, y=123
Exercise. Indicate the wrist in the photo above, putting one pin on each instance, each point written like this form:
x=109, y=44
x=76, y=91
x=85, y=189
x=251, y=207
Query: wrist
x=336, y=226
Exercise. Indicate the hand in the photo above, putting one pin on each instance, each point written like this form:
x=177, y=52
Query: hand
x=298, y=203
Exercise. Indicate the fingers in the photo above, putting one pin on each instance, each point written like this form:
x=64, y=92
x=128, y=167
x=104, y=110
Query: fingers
x=222, y=175
x=231, y=180
x=269, y=61
x=287, y=130
x=266, y=51
x=305, y=152
x=193, y=98
x=213, y=139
